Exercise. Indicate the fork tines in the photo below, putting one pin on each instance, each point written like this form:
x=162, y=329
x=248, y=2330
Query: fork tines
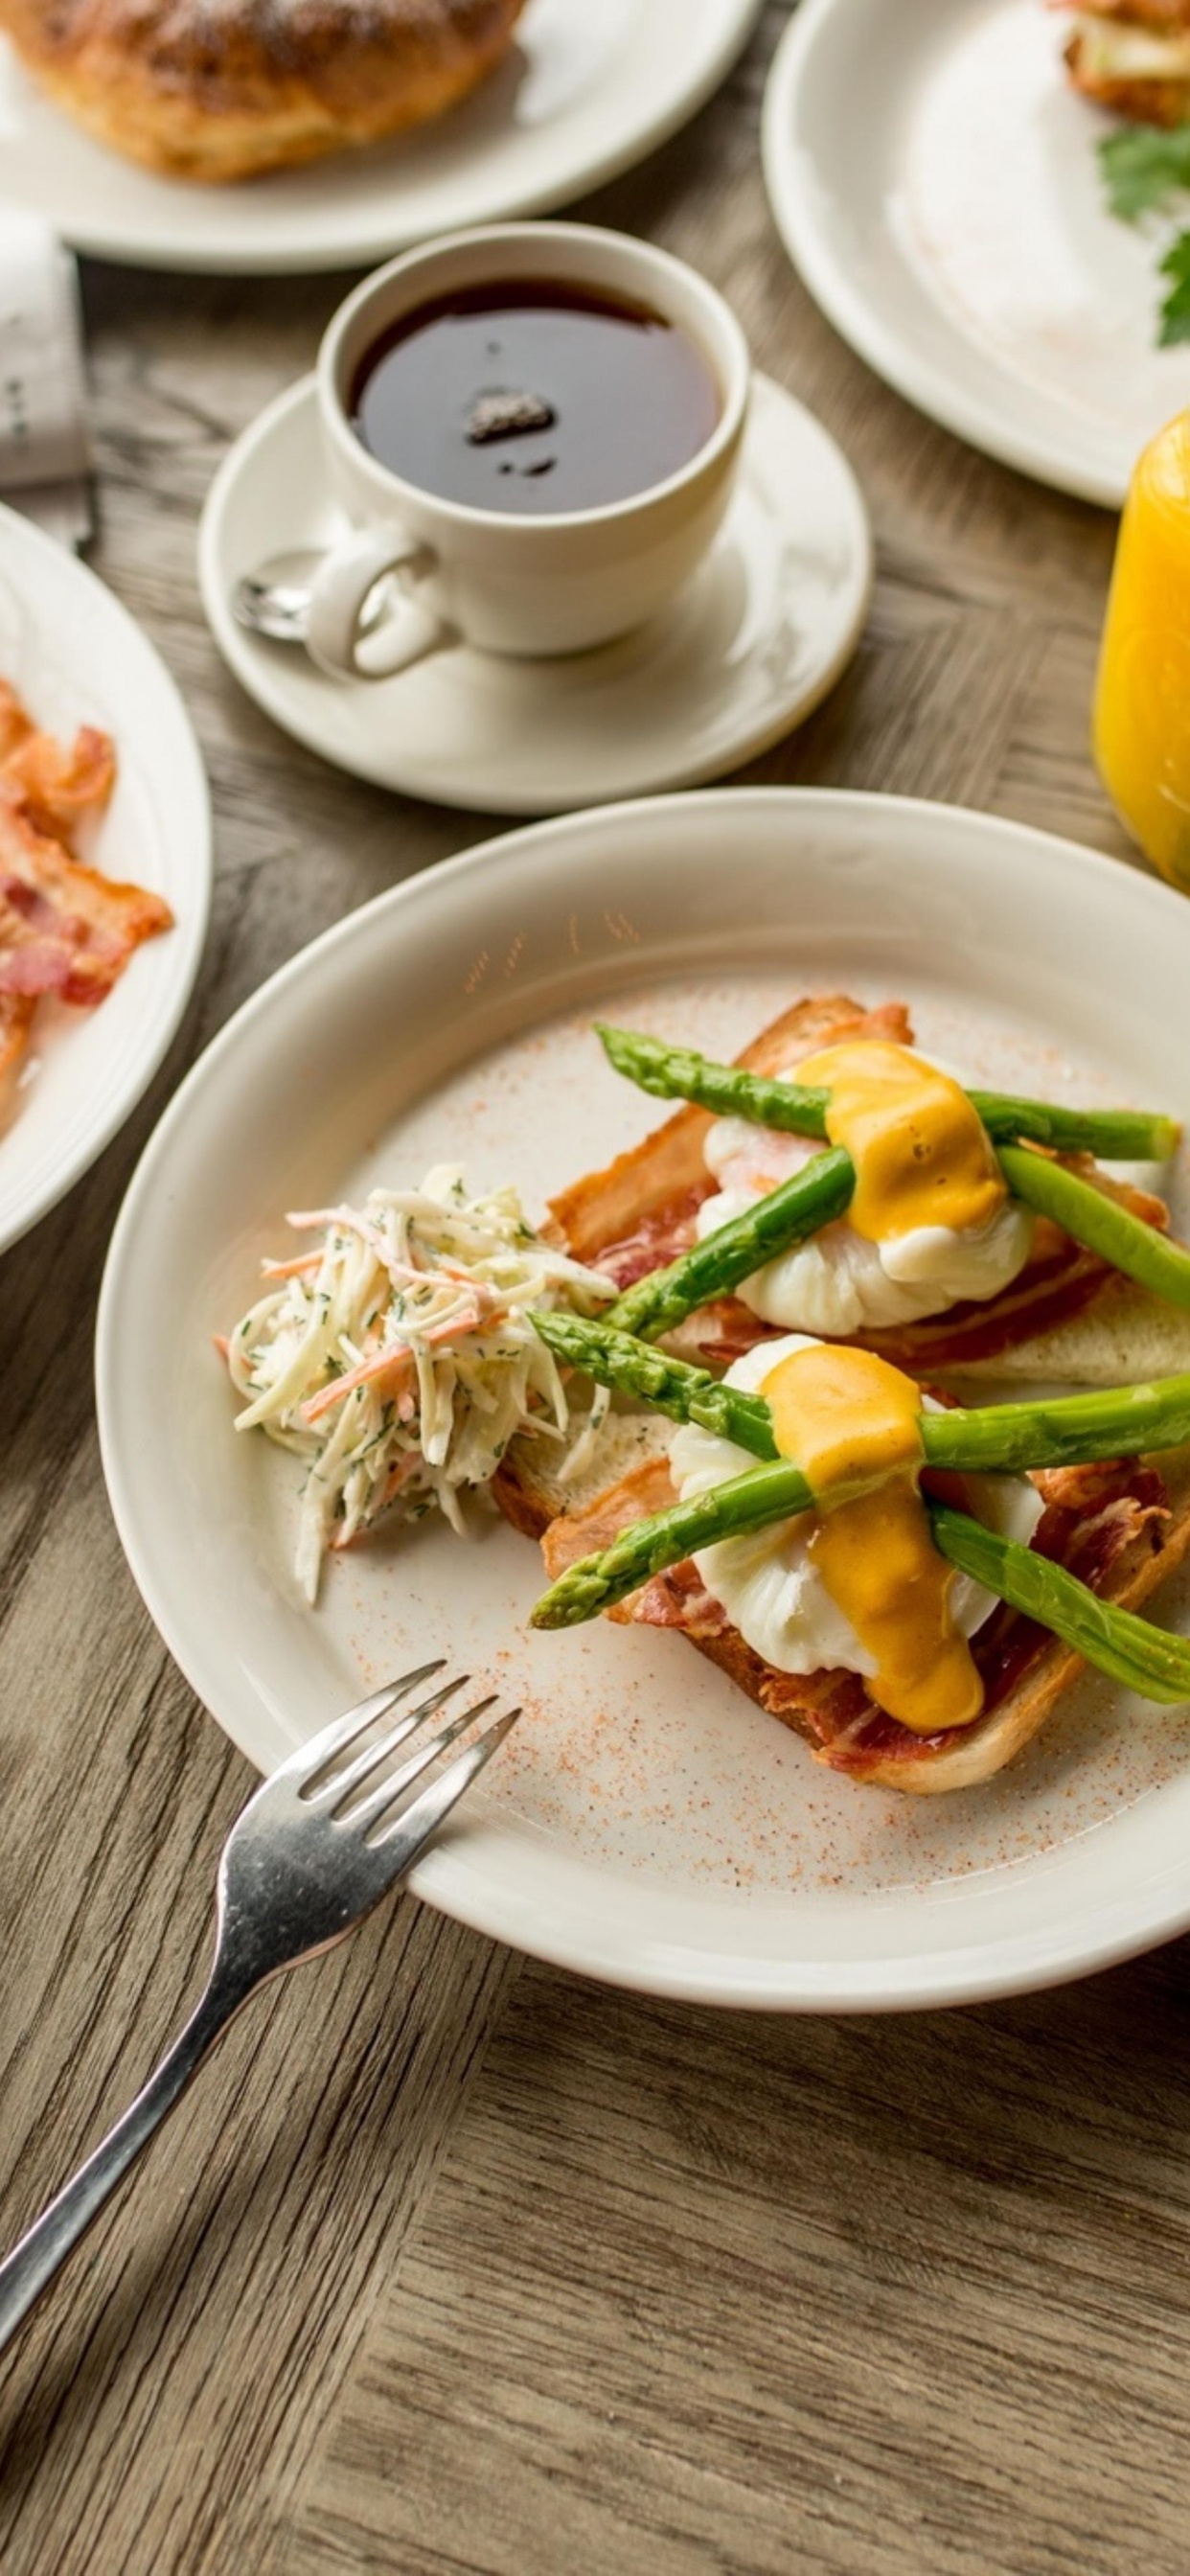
x=363, y=1795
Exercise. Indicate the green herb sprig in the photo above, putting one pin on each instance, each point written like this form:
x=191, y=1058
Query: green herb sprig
x=1146, y=169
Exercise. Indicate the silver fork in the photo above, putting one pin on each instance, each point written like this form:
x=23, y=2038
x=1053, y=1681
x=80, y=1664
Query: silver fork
x=314, y=1850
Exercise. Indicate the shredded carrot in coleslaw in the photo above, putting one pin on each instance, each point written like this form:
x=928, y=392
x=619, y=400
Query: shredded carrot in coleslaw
x=400, y=1359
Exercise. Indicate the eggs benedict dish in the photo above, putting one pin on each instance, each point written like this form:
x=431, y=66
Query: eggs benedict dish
x=924, y=1254
x=751, y=1292
x=855, y=1584
x=909, y=1584
x=894, y=1581
x=931, y=1223
x=1133, y=56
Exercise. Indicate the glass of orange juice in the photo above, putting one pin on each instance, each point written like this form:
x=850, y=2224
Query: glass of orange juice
x=1142, y=695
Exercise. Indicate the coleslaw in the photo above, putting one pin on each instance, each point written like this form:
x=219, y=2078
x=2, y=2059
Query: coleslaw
x=398, y=1358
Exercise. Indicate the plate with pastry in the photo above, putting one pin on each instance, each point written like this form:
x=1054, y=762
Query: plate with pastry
x=214, y=135
x=104, y=869
x=712, y=1267
x=990, y=199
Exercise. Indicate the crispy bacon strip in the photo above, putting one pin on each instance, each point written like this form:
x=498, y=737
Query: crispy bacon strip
x=16, y=1017
x=15, y=724
x=64, y=927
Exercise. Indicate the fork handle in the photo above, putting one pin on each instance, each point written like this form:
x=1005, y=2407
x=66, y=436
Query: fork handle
x=33, y=2263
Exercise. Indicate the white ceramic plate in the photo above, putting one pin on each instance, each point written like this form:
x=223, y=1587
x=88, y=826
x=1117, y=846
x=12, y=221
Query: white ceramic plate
x=76, y=657
x=754, y=642
x=935, y=180
x=646, y=1823
x=583, y=94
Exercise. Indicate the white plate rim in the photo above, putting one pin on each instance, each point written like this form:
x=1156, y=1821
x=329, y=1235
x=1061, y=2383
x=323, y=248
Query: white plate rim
x=183, y=948
x=203, y=253
x=239, y=649
x=447, y=1878
x=859, y=321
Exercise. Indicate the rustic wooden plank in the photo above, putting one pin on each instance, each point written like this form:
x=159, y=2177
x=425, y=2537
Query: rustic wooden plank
x=696, y=2293
x=241, y=2266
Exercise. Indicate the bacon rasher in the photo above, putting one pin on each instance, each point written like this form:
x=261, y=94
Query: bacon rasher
x=65, y=928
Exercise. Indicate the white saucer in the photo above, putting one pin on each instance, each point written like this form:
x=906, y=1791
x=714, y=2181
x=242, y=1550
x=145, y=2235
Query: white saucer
x=752, y=645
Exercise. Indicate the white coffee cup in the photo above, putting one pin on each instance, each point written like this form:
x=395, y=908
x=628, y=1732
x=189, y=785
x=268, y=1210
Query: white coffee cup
x=498, y=580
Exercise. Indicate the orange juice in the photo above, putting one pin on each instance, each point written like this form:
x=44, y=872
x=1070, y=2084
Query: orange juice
x=1142, y=698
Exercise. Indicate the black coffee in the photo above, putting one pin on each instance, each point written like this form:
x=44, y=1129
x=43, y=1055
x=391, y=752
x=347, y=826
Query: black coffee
x=530, y=395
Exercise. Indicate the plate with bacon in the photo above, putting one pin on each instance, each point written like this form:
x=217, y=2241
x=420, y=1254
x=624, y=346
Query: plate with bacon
x=104, y=869
x=758, y=1217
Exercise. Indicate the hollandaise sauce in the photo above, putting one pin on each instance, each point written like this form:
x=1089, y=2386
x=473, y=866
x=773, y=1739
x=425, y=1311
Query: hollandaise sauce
x=848, y=1418
x=1142, y=697
x=921, y=1153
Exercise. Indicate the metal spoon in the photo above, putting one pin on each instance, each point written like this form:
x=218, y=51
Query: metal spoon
x=275, y=599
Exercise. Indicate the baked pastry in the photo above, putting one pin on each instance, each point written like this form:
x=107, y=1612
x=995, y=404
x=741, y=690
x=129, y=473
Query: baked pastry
x=1133, y=56
x=225, y=89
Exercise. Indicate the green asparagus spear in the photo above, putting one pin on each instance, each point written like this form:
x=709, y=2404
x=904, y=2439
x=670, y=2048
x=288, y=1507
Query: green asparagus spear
x=1070, y=1431
x=635, y=1368
x=678, y=1073
x=1145, y=1658
x=1101, y=1223
x=764, y=1494
x=734, y=1251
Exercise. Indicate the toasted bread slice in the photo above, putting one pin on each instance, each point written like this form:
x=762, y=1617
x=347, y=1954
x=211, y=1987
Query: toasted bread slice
x=1067, y=1319
x=1122, y=1530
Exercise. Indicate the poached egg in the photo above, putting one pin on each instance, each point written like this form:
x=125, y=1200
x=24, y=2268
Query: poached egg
x=897, y=1269
x=771, y=1581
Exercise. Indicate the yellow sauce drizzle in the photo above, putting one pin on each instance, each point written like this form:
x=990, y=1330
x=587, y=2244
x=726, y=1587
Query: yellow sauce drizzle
x=921, y=1153
x=843, y=1417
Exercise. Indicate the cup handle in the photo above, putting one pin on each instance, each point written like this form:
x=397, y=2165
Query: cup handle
x=343, y=584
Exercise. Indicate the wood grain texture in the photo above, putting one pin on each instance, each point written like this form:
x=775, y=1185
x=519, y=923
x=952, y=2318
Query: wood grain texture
x=451, y=2266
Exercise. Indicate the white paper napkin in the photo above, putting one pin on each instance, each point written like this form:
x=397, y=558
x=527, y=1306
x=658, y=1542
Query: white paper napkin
x=44, y=444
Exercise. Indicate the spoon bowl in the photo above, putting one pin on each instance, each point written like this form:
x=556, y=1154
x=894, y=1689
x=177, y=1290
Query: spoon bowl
x=275, y=599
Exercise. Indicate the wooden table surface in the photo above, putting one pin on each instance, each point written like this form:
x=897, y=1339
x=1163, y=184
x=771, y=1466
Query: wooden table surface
x=454, y=2265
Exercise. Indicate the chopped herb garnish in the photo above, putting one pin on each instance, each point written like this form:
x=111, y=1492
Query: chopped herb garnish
x=1143, y=167
x=1175, y=311
x=1146, y=171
